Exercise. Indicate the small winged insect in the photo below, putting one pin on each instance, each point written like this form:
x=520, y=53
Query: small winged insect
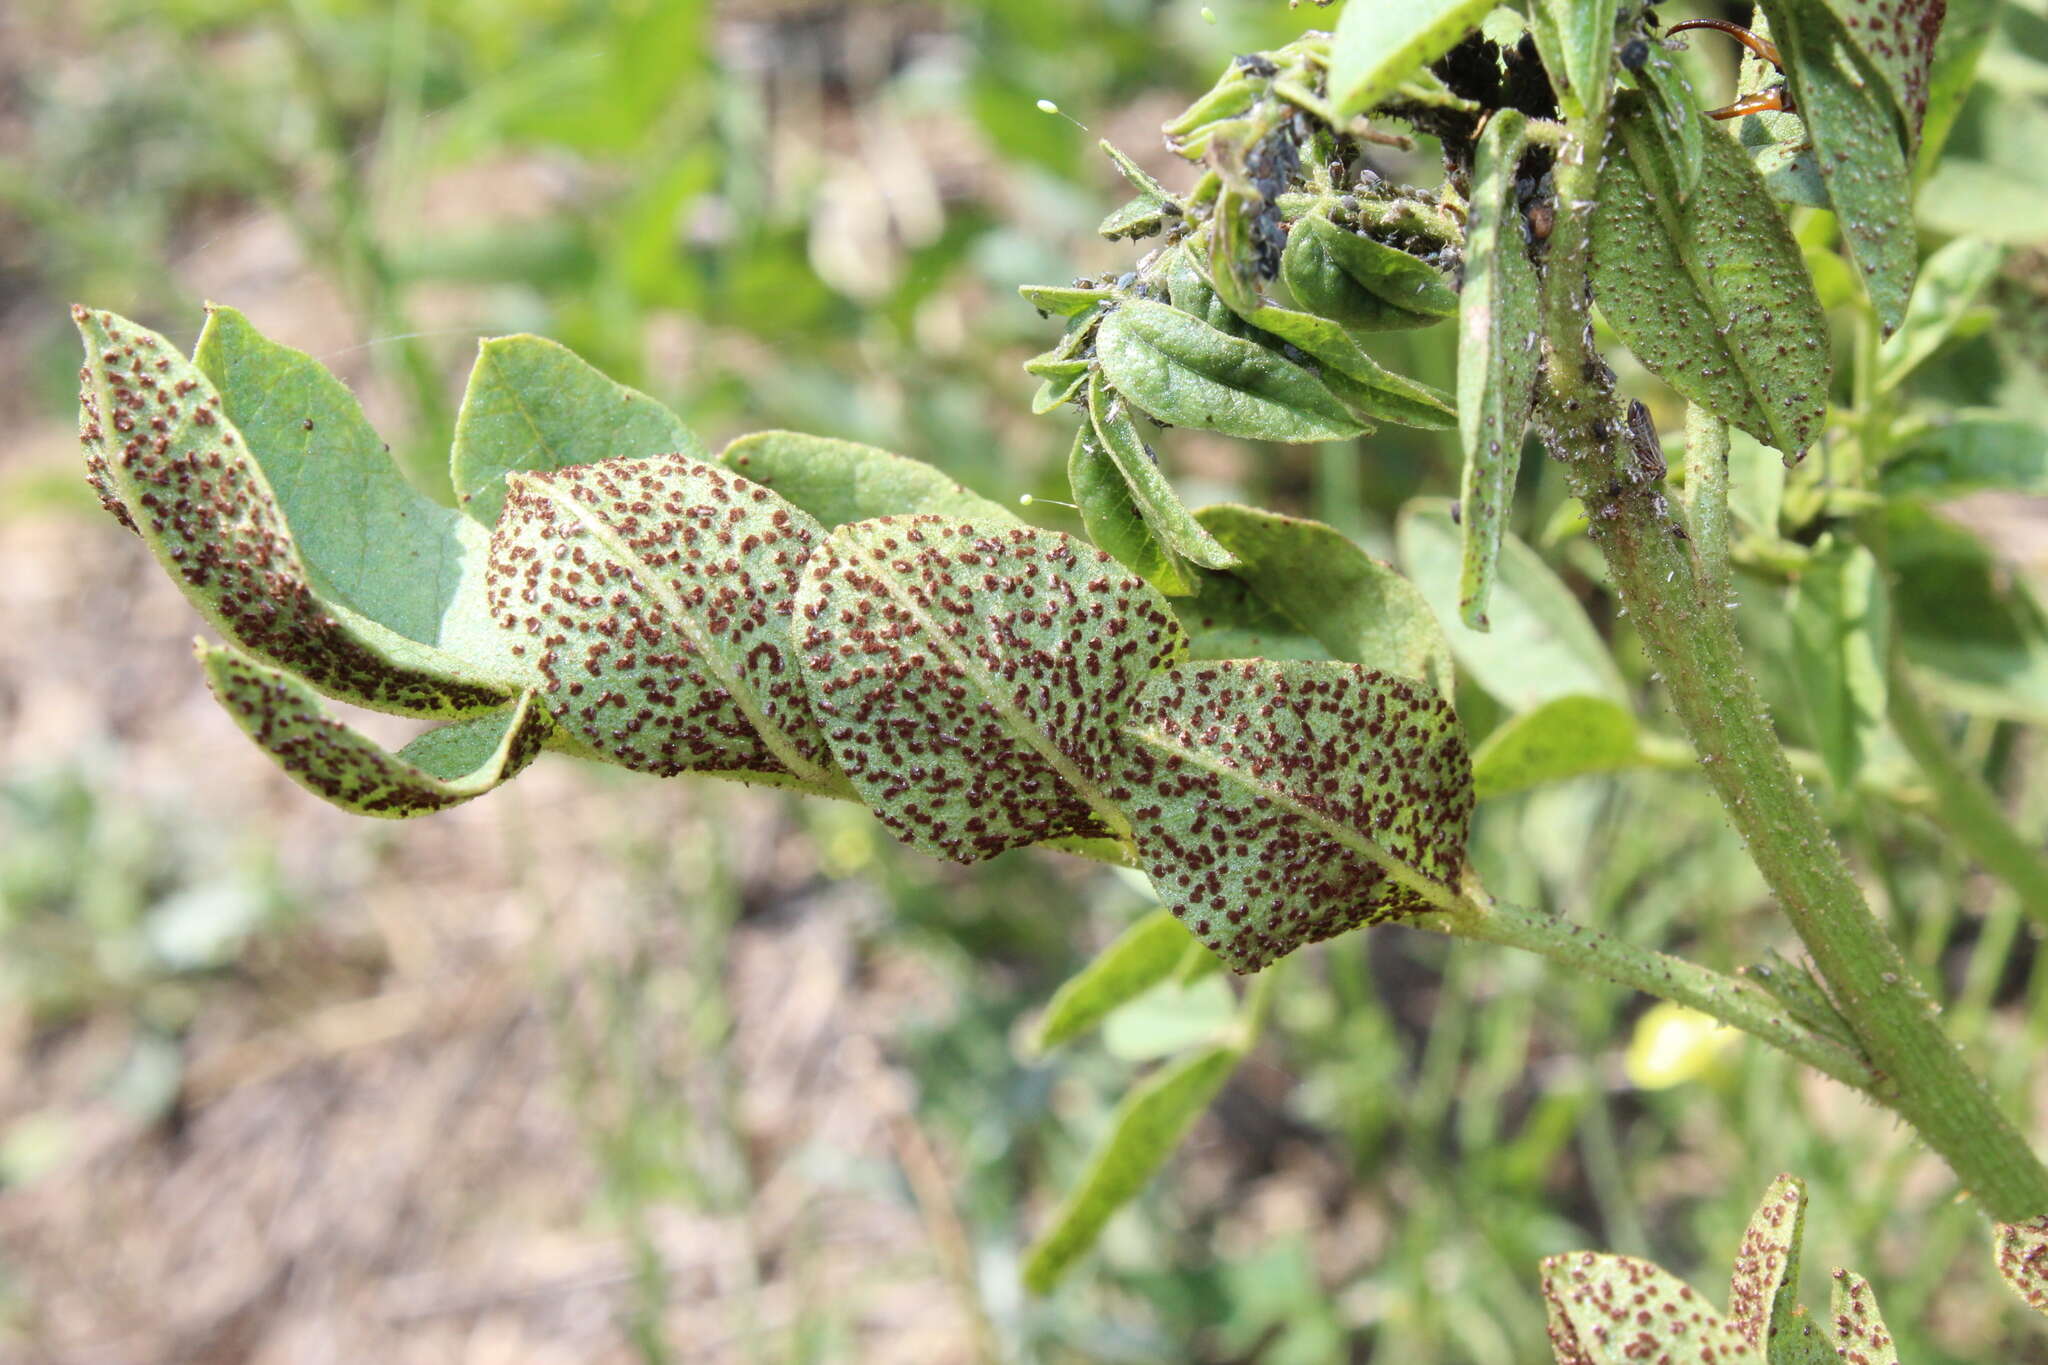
x=1776, y=98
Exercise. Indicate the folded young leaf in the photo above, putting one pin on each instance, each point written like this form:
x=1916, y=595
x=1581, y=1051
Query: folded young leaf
x=1565, y=738
x=653, y=597
x=1303, y=590
x=2021, y=1250
x=1711, y=295
x=441, y=768
x=1113, y=520
x=1855, y=128
x=973, y=678
x=161, y=449
x=1541, y=646
x=369, y=540
x=1280, y=803
x=842, y=481
x=1379, y=45
x=1147, y=1125
x=1181, y=370
x=1141, y=957
x=534, y=405
x=1500, y=323
x=1577, y=38
x=1360, y=283
x=1166, y=516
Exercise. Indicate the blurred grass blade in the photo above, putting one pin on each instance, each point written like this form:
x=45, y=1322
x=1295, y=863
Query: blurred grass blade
x=931, y=718
x=441, y=768
x=1841, y=636
x=533, y=405
x=1565, y=738
x=1541, y=646
x=1499, y=324
x=842, y=481
x=1141, y=957
x=1146, y=1127
x=1344, y=797
x=1379, y=44
x=1303, y=590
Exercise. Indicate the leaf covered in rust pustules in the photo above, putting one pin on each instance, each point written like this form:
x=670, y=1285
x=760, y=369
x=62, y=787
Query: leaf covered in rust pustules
x=1278, y=804
x=653, y=598
x=973, y=678
x=1618, y=1310
x=442, y=768
x=1763, y=1291
x=2021, y=1250
x=164, y=456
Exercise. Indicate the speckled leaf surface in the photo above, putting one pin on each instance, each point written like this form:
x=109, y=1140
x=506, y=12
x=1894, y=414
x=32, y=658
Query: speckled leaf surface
x=1361, y=283
x=1165, y=515
x=160, y=448
x=2021, y=1250
x=1181, y=370
x=442, y=768
x=1280, y=803
x=1676, y=116
x=534, y=405
x=1565, y=738
x=1148, y=1124
x=1378, y=45
x=1303, y=590
x=1858, y=1329
x=1855, y=130
x=1541, y=647
x=1138, y=959
x=1897, y=38
x=1499, y=324
x=1763, y=1290
x=1711, y=295
x=973, y=678
x=653, y=598
x=1617, y=1310
x=841, y=481
x=367, y=537
x=1113, y=521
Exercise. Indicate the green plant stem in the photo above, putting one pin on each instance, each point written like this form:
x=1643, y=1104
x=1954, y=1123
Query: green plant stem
x=1690, y=637
x=1963, y=804
x=1734, y=1001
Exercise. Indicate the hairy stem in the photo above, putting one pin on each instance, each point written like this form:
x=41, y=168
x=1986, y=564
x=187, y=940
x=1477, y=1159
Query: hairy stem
x=1689, y=635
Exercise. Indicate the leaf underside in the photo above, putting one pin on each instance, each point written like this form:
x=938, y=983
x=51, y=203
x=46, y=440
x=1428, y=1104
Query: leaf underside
x=2021, y=1250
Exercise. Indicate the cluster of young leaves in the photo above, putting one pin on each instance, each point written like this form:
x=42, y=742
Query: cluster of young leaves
x=802, y=612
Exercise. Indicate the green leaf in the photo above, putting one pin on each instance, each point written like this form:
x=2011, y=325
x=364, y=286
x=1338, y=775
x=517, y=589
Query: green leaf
x=1712, y=295
x=1181, y=370
x=1302, y=590
x=1142, y=956
x=1763, y=1292
x=1565, y=738
x=1617, y=1310
x=1577, y=38
x=1055, y=392
x=841, y=481
x=1113, y=521
x=1379, y=45
x=1965, y=32
x=973, y=678
x=1857, y=1328
x=1063, y=300
x=534, y=405
x=441, y=768
x=1361, y=283
x=1856, y=137
x=1974, y=451
x=2021, y=1251
x=1165, y=515
x=1976, y=635
x=1676, y=116
x=1354, y=376
x=1280, y=803
x=1941, y=308
x=1148, y=214
x=1146, y=1127
x=1896, y=38
x=1841, y=635
x=1541, y=646
x=1231, y=97
x=166, y=460
x=653, y=597
x=1500, y=323
x=368, y=539
x=1173, y=1016
x=1189, y=289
